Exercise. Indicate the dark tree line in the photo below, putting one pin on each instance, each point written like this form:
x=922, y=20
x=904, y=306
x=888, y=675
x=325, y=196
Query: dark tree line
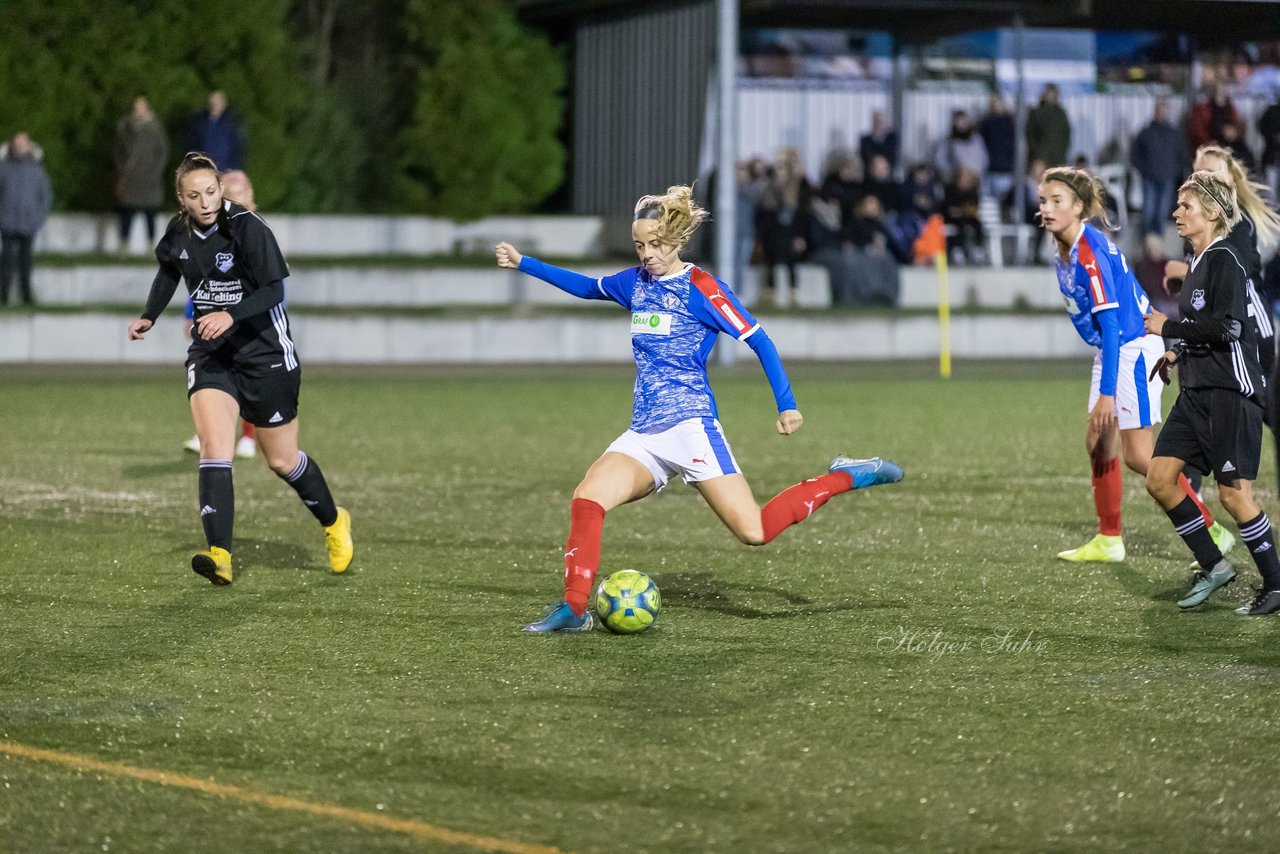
x=425, y=106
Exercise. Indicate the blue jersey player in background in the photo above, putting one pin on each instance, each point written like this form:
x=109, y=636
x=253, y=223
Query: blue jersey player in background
x=677, y=310
x=1106, y=305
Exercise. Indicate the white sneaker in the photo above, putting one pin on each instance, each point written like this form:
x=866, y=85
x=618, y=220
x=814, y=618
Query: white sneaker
x=192, y=445
x=246, y=448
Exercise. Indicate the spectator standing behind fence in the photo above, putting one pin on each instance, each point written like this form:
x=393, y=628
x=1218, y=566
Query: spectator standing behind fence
x=141, y=156
x=1208, y=115
x=784, y=225
x=882, y=141
x=26, y=197
x=217, y=133
x=1048, y=129
x=997, y=130
x=961, y=148
x=1160, y=156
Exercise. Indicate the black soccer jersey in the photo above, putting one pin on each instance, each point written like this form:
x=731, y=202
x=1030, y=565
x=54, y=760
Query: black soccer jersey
x=1220, y=343
x=234, y=266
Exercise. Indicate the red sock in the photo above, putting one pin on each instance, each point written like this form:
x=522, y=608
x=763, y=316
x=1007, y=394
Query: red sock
x=582, y=552
x=246, y=430
x=1108, y=487
x=1191, y=493
x=797, y=503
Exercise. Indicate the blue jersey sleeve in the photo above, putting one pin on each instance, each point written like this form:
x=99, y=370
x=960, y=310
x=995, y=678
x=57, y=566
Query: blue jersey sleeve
x=767, y=353
x=583, y=287
x=1109, y=320
x=714, y=304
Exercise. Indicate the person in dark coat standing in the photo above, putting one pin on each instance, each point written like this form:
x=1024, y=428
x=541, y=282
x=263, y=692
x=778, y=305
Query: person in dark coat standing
x=217, y=133
x=1160, y=155
x=141, y=156
x=882, y=141
x=26, y=197
x=998, y=132
x=1048, y=130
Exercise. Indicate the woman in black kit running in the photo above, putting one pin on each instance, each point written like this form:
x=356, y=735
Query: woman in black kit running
x=1216, y=422
x=241, y=363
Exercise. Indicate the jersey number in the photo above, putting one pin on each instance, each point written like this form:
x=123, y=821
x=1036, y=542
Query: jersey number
x=191, y=376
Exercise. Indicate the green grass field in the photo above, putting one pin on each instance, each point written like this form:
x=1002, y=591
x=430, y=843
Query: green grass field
x=909, y=670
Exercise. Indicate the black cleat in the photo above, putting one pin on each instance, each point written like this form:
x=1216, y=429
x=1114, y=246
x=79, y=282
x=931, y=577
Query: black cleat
x=1266, y=602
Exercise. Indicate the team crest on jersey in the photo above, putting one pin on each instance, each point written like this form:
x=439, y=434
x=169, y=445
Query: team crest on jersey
x=1197, y=299
x=670, y=301
x=224, y=261
x=1072, y=308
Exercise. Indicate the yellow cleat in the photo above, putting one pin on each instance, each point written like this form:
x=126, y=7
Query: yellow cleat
x=1222, y=538
x=1101, y=549
x=337, y=542
x=215, y=565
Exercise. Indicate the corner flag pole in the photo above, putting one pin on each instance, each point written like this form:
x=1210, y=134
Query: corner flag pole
x=932, y=245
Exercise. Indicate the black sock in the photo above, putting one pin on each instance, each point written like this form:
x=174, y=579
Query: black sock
x=217, y=502
x=1257, y=535
x=1189, y=523
x=308, y=481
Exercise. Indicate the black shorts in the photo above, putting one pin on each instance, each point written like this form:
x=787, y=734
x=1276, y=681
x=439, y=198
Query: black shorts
x=1216, y=430
x=267, y=393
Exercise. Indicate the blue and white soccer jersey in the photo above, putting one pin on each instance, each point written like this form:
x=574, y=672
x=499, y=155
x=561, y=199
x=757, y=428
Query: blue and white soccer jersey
x=1137, y=395
x=1097, y=278
x=674, y=323
x=695, y=449
x=1099, y=289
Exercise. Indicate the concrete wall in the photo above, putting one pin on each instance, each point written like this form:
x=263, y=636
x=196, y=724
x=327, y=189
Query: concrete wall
x=127, y=286
x=330, y=235
x=99, y=338
x=505, y=334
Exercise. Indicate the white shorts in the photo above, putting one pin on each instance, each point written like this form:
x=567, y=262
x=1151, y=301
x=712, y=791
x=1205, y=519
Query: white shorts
x=1137, y=397
x=695, y=449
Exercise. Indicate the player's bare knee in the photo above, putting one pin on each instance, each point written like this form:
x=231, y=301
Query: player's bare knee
x=586, y=492
x=1239, y=504
x=282, y=464
x=751, y=535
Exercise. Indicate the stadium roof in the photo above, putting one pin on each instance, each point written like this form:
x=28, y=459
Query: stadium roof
x=1212, y=21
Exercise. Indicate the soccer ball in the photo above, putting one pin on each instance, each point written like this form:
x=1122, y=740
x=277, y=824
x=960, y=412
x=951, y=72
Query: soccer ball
x=627, y=602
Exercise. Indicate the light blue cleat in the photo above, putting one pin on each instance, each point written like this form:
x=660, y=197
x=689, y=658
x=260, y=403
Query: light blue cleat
x=872, y=472
x=562, y=619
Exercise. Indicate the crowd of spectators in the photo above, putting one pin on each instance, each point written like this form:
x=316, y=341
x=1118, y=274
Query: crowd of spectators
x=861, y=216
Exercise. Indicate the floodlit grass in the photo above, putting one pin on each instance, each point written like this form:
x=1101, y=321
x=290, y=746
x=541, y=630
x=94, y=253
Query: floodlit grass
x=909, y=670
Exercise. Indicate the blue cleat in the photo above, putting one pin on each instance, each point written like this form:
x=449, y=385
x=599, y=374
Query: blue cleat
x=562, y=619
x=872, y=472
x=1206, y=583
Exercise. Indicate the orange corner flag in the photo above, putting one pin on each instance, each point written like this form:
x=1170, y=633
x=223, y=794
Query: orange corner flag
x=932, y=240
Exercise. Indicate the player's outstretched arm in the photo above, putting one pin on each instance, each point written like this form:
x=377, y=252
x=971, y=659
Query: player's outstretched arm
x=583, y=287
